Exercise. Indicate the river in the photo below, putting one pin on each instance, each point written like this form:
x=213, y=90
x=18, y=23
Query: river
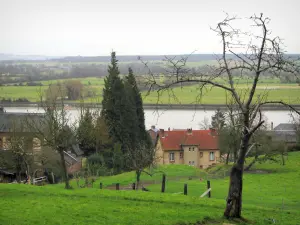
x=174, y=119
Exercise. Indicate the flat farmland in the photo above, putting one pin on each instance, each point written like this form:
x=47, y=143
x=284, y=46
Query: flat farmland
x=270, y=89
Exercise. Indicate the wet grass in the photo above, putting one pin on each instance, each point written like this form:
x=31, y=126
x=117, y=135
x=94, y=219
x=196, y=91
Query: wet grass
x=268, y=198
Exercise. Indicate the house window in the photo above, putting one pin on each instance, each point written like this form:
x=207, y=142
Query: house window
x=181, y=155
x=172, y=157
x=193, y=163
x=189, y=148
x=189, y=162
x=211, y=156
x=201, y=154
x=193, y=149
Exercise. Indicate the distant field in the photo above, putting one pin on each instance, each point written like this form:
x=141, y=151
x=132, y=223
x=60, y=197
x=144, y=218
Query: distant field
x=185, y=95
x=191, y=94
x=32, y=92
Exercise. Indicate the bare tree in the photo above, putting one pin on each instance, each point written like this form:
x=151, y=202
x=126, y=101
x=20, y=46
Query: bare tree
x=250, y=55
x=139, y=159
x=54, y=131
x=19, y=145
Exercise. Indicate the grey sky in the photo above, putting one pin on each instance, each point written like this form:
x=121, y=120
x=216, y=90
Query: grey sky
x=95, y=27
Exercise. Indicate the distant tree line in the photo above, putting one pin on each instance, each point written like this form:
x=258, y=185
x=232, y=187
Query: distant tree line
x=9, y=100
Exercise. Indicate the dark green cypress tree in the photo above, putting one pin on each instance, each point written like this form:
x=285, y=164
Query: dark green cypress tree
x=142, y=134
x=86, y=134
x=130, y=119
x=113, y=94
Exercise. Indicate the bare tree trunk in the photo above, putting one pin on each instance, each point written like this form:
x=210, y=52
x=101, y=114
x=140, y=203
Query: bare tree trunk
x=234, y=198
x=27, y=172
x=227, y=158
x=283, y=160
x=138, y=175
x=234, y=155
x=65, y=172
x=18, y=175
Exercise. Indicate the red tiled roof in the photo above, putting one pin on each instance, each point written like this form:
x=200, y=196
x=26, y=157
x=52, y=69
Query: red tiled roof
x=173, y=140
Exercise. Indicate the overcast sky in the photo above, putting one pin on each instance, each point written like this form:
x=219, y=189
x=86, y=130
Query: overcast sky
x=135, y=27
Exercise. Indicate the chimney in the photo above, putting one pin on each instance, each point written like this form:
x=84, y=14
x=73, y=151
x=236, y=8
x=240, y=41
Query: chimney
x=189, y=131
x=162, y=132
x=169, y=129
x=272, y=126
x=152, y=127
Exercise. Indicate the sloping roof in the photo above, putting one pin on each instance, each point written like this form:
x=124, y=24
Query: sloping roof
x=173, y=140
x=76, y=149
x=283, y=136
x=286, y=127
x=9, y=120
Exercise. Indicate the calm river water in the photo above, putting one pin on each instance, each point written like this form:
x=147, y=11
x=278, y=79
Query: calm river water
x=177, y=119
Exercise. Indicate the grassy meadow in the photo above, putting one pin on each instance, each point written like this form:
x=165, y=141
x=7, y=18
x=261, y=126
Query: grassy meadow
x=179, y=95
x=271, y=196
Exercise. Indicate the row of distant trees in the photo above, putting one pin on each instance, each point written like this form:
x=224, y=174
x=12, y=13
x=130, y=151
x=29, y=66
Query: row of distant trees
x=23, y=73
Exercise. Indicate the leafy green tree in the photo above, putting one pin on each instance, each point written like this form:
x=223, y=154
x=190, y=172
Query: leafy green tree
x=86, y=133
x=103, y=140
x=117, y=159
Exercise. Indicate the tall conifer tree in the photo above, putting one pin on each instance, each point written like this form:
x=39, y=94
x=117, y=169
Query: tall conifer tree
x=113, y=94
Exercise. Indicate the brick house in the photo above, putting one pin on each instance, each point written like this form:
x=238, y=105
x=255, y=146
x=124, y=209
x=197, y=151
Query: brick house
x=191, y=147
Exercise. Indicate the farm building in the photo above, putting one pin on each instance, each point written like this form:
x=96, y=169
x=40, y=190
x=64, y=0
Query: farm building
x=41, y=158
x=287, y=133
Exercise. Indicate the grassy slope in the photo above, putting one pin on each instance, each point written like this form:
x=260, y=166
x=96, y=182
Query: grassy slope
x=266, y=197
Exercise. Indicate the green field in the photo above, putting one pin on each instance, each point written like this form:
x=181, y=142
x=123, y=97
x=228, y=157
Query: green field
x=191, y=94
x=268, y=198
x=32, y=92
x=186, y=95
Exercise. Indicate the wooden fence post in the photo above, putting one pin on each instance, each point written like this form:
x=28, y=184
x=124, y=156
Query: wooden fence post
x=163, y=184
x=133, y=186
x=101, y=185
x=185, y=189
x=208, y=187
x=117, y=186
x=53, y=179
